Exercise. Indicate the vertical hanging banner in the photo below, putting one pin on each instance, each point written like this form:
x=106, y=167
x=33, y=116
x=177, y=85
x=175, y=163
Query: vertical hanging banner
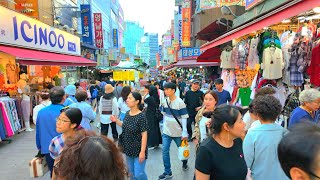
x=115, y=37
x=97, y=19
x=86, y=24
x=186, y=23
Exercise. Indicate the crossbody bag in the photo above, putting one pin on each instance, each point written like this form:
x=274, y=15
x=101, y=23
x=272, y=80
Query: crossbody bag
x=175, y=117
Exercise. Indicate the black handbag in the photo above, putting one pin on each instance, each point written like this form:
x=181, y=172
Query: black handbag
x=120, y=142
x=159, y=115
x=175, y=117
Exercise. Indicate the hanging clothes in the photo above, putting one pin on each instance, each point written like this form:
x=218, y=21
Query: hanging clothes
x=296, y=76
x=244, y=96
x=314, y=70
x=226, y=60
x=286, y=42
x=272, y=63
x=229, y=79
x=253, y=57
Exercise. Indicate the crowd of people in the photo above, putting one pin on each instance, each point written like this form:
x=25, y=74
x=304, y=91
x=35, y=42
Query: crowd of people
x=231, y=142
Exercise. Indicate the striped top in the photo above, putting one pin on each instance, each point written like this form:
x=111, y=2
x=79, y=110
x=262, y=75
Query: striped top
x=106, y=104
x=170, y=125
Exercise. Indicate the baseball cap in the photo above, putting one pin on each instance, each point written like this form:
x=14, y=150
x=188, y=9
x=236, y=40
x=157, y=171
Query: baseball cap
x=195, y=81
x=218, y=81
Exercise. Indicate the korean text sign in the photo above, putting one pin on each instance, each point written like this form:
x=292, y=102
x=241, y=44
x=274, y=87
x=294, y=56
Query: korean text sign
x=115, y=38
x=86, y=24
x=189, y=53
x=97, y=19
x=186, y=23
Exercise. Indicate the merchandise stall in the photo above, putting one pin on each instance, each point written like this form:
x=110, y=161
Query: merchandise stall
x=279, y=49
x=31, y=56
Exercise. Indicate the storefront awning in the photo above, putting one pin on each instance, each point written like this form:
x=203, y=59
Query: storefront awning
x=194, y=63
x=34, y=57
x=210, y=55
x=288, y=10
x=214, y=30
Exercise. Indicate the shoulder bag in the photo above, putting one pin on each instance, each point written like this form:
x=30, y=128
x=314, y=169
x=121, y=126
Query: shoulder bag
x=175, y=117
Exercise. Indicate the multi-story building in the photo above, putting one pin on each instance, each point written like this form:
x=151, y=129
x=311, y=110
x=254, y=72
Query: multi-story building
x=154, y=48
x=132, y=35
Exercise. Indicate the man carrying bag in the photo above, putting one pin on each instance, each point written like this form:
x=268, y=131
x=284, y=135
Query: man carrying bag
x=174, y=127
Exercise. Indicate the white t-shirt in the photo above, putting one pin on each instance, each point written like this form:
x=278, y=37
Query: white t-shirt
x=250, y=123
x=203, y=129
x=123, y=105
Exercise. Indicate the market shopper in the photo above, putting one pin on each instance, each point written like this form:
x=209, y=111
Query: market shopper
x=108, y=106
x=134, y=137
x=160, y=92
x=220, y=156
x=89, y=156
x=88, y=115
x=260, y=144
x=118, y=89
x=223, y=95
x=310, y=103
x=45, y=101
x=202, y=118
x=193, y=100
x=122, y=104
x=70, y=95
x=46, y=123
x=172, y=130
x=299, y=152
x=67, y=124
x=153, y=102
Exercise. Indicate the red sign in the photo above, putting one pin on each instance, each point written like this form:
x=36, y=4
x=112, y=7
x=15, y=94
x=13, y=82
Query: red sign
x=186, y=23
x=97, y=19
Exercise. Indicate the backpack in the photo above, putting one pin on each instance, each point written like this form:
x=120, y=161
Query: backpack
x=95, y=93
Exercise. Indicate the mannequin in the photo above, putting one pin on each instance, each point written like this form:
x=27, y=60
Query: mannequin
x=11, y=73
x=24, y=90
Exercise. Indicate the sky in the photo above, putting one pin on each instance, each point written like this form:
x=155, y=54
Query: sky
x=154, y=15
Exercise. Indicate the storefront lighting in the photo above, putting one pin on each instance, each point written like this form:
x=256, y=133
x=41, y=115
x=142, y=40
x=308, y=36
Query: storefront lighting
x=301, y=18
x=200, y=66
x=316, y=9
x=286, y=21
x=317, y=16
x=190, y=69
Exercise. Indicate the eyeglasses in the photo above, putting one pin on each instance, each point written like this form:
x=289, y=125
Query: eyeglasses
x=62, y=120
x=312, y=174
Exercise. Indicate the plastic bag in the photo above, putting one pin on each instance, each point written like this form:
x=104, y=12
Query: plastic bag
x=184, y=151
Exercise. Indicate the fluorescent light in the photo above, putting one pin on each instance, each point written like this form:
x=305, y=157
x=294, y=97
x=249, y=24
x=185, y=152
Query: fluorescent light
x=316, y=9
x=286, y=21
x=301, y=17
x=317, y=16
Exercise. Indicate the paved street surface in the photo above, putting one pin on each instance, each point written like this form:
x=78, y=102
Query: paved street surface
x=15, y=157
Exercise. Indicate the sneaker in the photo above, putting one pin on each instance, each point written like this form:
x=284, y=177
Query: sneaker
x=29, y=129
x=185, y=167
x=165, y=176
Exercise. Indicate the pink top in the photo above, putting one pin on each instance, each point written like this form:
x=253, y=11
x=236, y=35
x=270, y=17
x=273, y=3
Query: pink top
x=7, y=124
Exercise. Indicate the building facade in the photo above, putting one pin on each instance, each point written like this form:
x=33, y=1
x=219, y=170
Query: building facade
x=132, y=35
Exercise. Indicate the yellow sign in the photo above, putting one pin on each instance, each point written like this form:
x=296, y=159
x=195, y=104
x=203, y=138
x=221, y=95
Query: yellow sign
x=117, y=75
x=123, y=75
x=131, y=76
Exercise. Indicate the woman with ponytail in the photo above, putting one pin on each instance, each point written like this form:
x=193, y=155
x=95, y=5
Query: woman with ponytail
x=220, y=156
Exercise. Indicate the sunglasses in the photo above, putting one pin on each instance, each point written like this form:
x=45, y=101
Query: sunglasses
x=64, y=109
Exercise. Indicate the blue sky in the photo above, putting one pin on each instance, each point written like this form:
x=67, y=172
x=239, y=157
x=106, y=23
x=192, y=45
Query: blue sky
x=154, y=15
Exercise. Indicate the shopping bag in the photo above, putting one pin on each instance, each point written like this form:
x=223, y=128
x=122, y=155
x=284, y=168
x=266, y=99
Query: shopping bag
x=38, y=167
x=184, y=150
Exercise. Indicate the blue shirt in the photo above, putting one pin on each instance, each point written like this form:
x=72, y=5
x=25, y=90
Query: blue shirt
x=223, y=97
x=260, y=151
x=70, y=100
x=298, y=115
x=46, y=126
x=87, y=113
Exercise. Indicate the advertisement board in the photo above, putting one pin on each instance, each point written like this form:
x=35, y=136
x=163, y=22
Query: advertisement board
x=87, y=36
x=188, y=53
x=232, y=2
x=252, y=3
x=186, y=23
x=115, y=38
x=20, y=30
x=28, y=7
x=97, y=19
x=208, y=4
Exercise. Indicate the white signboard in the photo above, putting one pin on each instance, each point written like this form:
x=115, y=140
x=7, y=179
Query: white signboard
x=20, y=30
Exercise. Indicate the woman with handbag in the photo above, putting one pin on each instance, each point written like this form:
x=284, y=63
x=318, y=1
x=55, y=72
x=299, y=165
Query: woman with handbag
x=152, y=111
x=220, y=156
x=134, y=137
x=200, y=128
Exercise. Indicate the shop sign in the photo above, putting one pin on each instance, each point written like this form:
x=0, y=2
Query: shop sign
x=231, y=2
x=188, y=53
x=252, y=3
x=113, y=54
x=209, y=4
x=160, y=52
x=88, y=53
x=178, y=2
x=186, y=23
x=115, y=38
x=175, y=43
x=20, y=30
x=170, y=50
x=86, y=24
x=28, y=7
x=97, y=19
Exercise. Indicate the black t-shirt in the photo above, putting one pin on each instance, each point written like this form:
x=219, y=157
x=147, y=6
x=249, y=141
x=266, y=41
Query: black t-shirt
x=132, y=128
x=193, y=99
x=221, y=163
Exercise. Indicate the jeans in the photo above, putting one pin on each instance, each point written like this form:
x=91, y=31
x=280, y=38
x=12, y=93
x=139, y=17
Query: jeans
x=50, y=162
x=105, y=130
x=190, y=120
x=166, y=142
x=136, y=169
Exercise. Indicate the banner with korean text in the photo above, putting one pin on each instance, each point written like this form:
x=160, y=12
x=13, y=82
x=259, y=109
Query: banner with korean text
x=186, y=23
x=86, y=24
x=97, y=19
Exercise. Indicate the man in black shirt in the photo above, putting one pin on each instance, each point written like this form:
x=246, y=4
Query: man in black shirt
x=193, y=100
